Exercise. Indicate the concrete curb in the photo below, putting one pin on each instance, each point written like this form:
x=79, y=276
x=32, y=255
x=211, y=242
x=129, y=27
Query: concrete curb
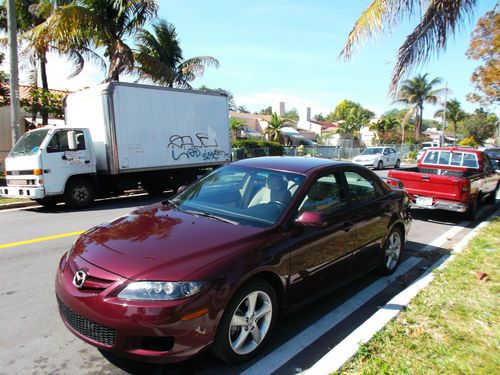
x=348, y=347
x=7, y=206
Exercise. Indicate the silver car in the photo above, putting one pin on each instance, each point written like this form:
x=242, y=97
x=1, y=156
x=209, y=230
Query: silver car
x=379, y=157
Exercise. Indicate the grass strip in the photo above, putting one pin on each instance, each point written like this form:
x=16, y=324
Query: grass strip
x=451, y=327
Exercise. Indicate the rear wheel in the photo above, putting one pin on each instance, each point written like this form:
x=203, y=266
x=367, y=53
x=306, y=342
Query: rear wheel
x=393, y=249
x=492, y=198
x=380, y=165
x=471, y=212
x=247, y=323
x=79, y=194
x=398, y=164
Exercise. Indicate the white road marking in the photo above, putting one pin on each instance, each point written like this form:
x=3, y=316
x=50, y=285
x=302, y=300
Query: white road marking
x=292, y=347
x=342, y=352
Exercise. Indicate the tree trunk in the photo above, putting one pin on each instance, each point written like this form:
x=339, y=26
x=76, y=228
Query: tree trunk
x=418, y=121
x=45, y=87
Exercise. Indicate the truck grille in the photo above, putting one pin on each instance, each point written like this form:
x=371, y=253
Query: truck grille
x=86, y=327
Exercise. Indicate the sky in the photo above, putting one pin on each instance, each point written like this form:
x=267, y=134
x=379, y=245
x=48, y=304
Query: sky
x=287, y=50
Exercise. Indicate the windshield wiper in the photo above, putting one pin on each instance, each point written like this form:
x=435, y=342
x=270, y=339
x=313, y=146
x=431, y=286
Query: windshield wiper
x=212, y=216
x=171, y=202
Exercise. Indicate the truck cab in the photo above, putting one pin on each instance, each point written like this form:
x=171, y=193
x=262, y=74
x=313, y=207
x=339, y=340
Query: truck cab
x=45, y=161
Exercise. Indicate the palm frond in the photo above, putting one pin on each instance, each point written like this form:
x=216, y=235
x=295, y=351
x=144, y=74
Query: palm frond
x=441, y=18
x=379, y=14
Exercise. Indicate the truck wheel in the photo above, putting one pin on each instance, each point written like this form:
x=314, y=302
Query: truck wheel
x=471, y=213
x=79, y=194
x=380, y=165
x=492, y=198
x=398, y=164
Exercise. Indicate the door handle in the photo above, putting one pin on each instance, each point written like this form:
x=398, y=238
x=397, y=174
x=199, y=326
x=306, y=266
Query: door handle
x=64, y=157
x=87, y=161
x=347, y=226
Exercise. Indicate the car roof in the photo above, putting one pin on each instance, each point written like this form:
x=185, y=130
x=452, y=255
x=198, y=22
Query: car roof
x=288, y=163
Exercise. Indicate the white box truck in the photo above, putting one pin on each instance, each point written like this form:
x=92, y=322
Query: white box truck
x=120, y=136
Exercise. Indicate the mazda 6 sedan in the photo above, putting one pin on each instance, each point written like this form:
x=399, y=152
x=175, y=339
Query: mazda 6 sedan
x=214, y=266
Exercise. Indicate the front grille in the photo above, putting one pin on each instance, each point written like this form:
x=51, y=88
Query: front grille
x=86, y=327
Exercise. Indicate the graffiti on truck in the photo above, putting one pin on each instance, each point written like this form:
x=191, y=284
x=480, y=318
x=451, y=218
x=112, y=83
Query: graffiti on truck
x=199, y=146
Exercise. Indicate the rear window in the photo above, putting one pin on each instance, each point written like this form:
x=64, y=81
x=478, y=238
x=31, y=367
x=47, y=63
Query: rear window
x=456, y=159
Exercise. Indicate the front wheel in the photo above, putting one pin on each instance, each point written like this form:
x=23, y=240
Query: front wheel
x=79, y=194
x=246, y=323
x=391, y=255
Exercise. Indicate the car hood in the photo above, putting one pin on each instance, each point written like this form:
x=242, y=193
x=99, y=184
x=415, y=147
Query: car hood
x=158, y=243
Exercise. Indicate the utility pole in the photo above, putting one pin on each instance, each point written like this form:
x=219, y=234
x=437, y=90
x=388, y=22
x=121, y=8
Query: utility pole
x=444, y=114
x=14, y=82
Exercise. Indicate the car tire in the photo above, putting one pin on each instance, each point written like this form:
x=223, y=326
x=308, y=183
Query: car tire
x=391, y=253
x=247, y=323
x=79, y=194
x=380, y=165
x=398, y=164
x=492, y=198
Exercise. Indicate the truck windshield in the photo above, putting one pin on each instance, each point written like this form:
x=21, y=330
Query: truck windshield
x=29, y=143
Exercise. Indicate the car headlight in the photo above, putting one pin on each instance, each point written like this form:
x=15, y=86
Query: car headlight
x=160, y=290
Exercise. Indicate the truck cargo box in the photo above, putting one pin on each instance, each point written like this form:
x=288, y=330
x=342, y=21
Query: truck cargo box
x=139, y=128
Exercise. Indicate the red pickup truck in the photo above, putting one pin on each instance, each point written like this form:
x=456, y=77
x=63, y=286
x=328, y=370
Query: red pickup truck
x=450, y=178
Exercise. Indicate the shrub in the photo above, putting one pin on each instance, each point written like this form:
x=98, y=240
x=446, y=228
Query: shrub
x=253, y=148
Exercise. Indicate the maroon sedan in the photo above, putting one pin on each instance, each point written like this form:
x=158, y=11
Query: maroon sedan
x=213, y=266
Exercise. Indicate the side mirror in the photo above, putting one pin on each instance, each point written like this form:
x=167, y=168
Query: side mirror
x=71, y=140
x=181, y=188
x=311, y=219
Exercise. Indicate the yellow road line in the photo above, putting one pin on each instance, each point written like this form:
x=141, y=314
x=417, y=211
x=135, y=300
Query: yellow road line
x=40, y=239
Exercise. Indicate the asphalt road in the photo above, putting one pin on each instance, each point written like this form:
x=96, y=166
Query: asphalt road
x=33, y=339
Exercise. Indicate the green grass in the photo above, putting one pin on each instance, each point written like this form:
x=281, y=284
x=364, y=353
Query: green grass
x=451, y=327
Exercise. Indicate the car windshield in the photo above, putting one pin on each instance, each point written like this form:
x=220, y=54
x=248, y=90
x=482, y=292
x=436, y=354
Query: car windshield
x=372, y=151
x=29, y=143
x=493, y=153
x=240, y=195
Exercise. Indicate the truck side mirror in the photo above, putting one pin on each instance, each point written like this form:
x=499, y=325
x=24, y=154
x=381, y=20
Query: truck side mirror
x=71, y=140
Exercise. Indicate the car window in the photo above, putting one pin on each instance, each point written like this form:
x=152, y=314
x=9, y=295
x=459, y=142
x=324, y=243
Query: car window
x=444, y=158
x=470, y=160
x=360, y=187
x=325, y=195
x=59, y=141
x=431, y=157
x=456, y=158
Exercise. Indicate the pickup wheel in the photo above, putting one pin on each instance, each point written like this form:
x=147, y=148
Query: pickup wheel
x=380, y=165
x=471, y=213
x=492, y=198
x=79, y=194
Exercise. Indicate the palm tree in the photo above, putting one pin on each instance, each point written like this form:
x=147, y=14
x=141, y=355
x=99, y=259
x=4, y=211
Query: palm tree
x=236, y=126
x=454, y=114
x=417, y=90
x=274, y=127
x=86, y=24
x=439, y=20
x=160, y=58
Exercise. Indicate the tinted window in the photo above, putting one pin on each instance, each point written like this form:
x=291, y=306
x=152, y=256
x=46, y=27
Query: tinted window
x=470, y=160
x=431, y=157
x=360, y=187
x=325, y=195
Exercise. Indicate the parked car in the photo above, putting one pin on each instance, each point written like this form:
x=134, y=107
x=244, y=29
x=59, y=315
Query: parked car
x=450, y=178
x=215, y=265
x=379, y=157
x=494, y=155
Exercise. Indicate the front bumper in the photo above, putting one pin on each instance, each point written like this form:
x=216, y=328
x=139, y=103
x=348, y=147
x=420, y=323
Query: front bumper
x=22, y=192
x=148, y=331
x=367, y=163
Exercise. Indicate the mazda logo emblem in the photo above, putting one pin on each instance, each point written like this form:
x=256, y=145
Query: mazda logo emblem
x=79, y=279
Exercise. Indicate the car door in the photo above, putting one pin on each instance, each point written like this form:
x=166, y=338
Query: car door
x=371, y=208
x=321, y=257
x=59, y=162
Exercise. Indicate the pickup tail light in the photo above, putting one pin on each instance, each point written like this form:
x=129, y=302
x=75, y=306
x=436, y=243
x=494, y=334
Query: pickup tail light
x=465, y=190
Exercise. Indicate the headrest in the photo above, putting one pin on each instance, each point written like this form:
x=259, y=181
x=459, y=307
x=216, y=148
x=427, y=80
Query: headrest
x=276, y=182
